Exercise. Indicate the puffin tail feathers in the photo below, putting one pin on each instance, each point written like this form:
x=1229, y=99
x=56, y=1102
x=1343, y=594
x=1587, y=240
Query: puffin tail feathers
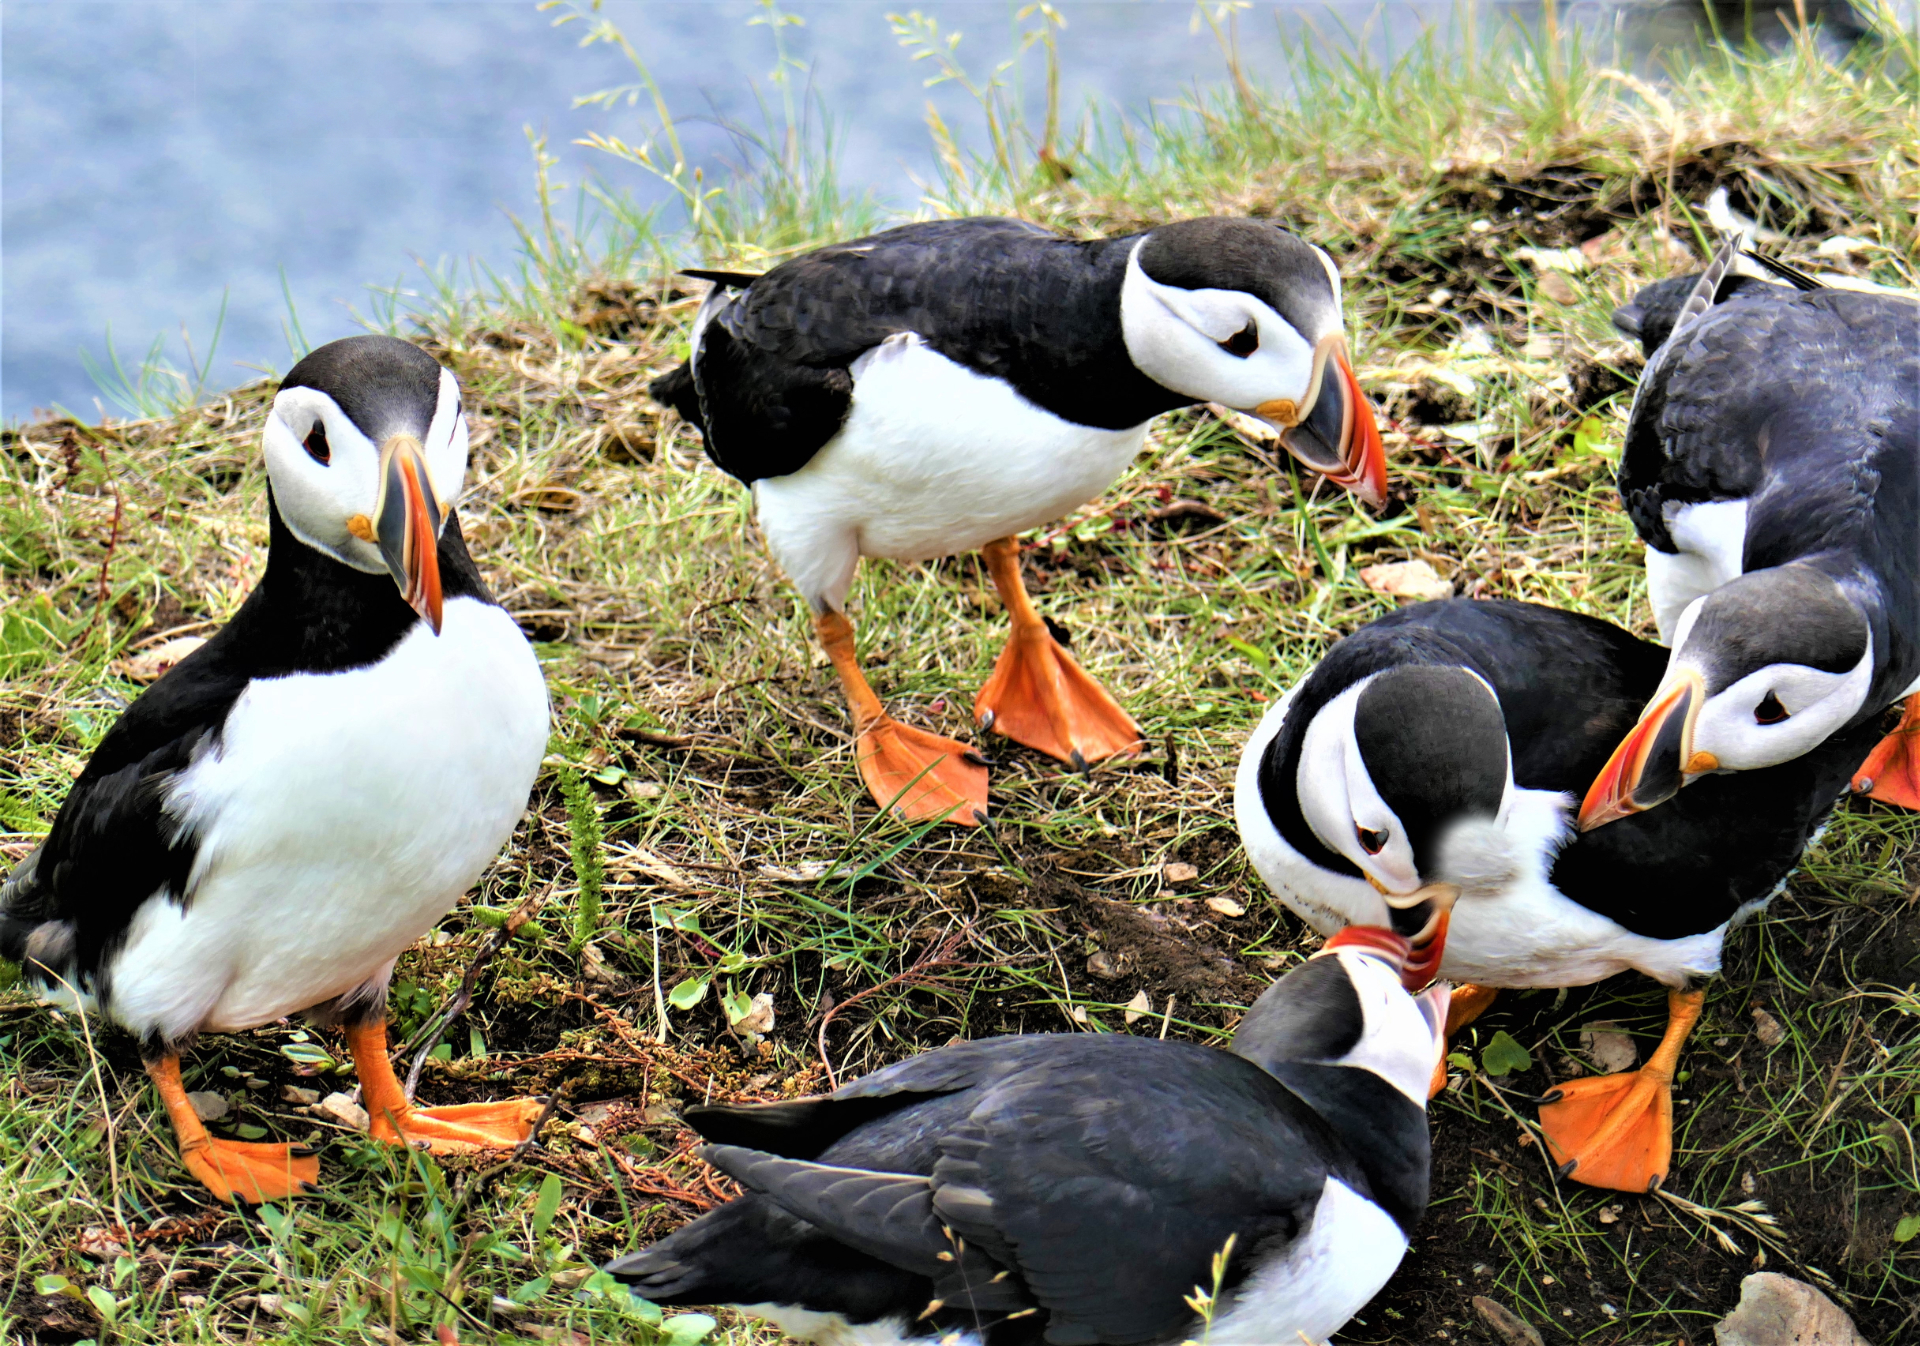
x=28, y=934
x=676, y=390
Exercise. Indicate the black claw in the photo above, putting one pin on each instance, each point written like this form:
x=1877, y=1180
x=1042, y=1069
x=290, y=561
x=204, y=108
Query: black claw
x=310, y=1188
x=986, y=718
x=1078, y=759
x=976, y=757
x=302, y=1151
x=1566, y=1169
x=1551, y=1096
x=1653, y=1184
x=980, y=816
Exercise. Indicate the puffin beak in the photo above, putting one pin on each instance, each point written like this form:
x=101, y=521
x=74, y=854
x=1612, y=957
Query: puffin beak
x=1655, y=760
x=407, y=525
x=1421, y=918
x=1334, y=433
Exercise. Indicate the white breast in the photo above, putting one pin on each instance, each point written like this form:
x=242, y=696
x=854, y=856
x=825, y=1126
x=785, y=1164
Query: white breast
x=340, y=816
x=1327, y=1275
x=1712, y=540
x=1525, y=934
x=934, y=459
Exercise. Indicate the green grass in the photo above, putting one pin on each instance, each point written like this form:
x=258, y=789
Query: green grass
x=700, y=780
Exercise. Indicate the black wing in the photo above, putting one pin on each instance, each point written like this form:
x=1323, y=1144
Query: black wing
x=1003, y=297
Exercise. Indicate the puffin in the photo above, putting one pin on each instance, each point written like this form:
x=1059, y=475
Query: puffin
x=1772, y=466
x=941, y=387
x=1085, y=1188
x=267, y=826
x=1446, y=743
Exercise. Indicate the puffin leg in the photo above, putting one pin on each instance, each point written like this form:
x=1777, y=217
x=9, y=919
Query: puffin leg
x=454, y=1129
x=231, y=1169
x=1891, y=772
x=916, y=774
x=1038, y=695
x=1468, y=1003
x=1617, y=1130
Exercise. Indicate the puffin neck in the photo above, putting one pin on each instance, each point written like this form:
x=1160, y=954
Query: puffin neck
x=314, y=614
x=1382, y=1130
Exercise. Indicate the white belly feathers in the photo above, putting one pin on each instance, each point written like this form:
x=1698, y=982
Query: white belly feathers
x=340, y=816
x=934, y=460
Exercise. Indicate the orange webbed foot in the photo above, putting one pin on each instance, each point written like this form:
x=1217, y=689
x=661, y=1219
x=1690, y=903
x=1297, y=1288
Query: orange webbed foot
x=462, y=1127
x=1040, y=696
x=1891, y=772
x=1612, y=1131
x=249, y=1171
x=922, y=776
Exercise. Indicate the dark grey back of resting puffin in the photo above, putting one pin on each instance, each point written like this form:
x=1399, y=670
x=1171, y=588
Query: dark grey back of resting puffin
x=1109, y=1170
x=1570, y=688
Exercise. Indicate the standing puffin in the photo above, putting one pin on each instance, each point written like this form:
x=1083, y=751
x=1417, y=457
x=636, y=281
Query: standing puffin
x=1075, y=1188
x=1772, y=466
x=942, y=387
x=266, y=827
x=1445, y=742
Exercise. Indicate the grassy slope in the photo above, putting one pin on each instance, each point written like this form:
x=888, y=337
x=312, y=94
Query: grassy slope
x=738, y=849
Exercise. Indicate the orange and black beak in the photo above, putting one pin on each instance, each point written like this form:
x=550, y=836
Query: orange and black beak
x=1334, y=433
x=1421, y=917
x=407, y=525
x=1655, y=760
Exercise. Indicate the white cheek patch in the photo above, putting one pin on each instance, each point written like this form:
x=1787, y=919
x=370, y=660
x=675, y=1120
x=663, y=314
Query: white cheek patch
x=446, y=445
x=1173, y=337
x=316, y=499
x=1817, y=703
x=1398, y=1042
x=1337, y=795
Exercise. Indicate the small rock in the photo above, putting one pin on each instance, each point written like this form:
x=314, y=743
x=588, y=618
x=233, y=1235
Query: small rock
x=593, y=964
x=1748, y=1184
x=596, y=1114
x=208, y=1106
x=300, y=1098
x=1607, y=1047
x=1611, y=1214
x=1767, y=1028
x=1778, y=1310
x=759, y=1020
x=1406, y=579
x=344, y=1110
x=100, y=1244
x=1555, y=286
x=1179, y=872
x=1101, y=964
x=1226, y=906
x=272, y=1304
x=1505, y=1324
x=1140, y=1005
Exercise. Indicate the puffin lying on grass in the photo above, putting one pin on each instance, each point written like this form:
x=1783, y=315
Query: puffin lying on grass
x=942, y=387
x=1446, y=743
x=1772, y=465
x=1078, y=1188
x=267, y=826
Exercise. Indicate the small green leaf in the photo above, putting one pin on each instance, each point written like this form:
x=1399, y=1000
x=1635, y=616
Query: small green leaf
x=547, y=1204
x=1256, y=656
x=672, y=918
x=688, y=993
x=307, y=1054
x=55, y=1285
x=104, y=1304
x=610, y=775
x=1905, y=1232
x=532, y=1290
x=442, y=1052
x=684, y=1329
x=476, y=1045
x=1503, y=1055
x=1460, y=1060
x=737, y=1004
x=645, y=1310
x=248, y=1131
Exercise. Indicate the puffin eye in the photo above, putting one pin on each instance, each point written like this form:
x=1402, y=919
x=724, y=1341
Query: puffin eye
x=1243, y=342
x=316, y=443
x=1769, y=711
x=1371, y=842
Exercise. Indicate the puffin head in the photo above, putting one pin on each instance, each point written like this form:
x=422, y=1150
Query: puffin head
x=1400, y=775
x=364, y=443
x=1242, y=313
x=1347, y=1006
x=1764, y=668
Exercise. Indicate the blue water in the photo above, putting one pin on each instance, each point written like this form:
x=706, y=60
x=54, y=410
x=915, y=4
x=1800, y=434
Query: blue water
x=156, y=155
